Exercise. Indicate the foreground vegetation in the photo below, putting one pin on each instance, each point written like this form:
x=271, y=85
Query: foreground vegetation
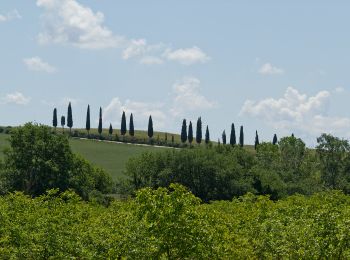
x=175, y=225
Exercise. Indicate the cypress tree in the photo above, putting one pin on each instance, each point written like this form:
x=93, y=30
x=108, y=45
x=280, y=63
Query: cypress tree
x=110, y=131
x=70, y=118
x=190, y=133
x=123, y=125
x=199, y=131
x=224, y=137
x=241, y=137
x=233, y=135
x=256, y=140
x=184, y=131
x=63, y=122
x=166, y=137
x=275, y=140
x=87, y=127
x=54, y=120
x=131, y=126
x=150, y=127
x=172, y=139
x=207, y=136
x=100, y=122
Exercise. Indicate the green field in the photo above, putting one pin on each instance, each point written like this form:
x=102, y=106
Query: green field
x=110, y=156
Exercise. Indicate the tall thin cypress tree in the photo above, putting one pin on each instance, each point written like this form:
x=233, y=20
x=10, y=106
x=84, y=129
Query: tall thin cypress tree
x=274, y=140
x=199, y=131
x=207, y=136
x=54, y=120
x=150, y=127
x=70, y=118
x=256, y=140
x=190, y=133
x=63, y=122
x=233, y=135
x=87, y=127
x=123, y=125
x=241, y=137
x=100, y=122
x=110, y=130
x=184, y=131
x=131, y=126
x=224, y=137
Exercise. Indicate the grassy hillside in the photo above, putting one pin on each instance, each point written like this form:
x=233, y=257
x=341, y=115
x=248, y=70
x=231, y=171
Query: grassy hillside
x=110, y=156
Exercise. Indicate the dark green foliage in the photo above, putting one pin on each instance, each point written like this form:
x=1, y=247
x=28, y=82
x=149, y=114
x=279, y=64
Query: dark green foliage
x=207, y=136
x=190, y=133
x=63, y=121
x=150, y=127
x=274, y=140
x=184, y=131
x=166, y=137
x=87, y=126
x=39, y=160
x=172, y=139
x=199, y=131
x=224, y=137
x=241, y=137
x=233, y=135
x=123, y=125
x=70, y=118
x=256, y=142
x=110, y=130
x=99, y=129
x=131, y=126
x=54, y=120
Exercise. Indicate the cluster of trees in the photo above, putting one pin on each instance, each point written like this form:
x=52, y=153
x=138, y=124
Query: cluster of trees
x=223, y=172
x=38, y=160
x=173, y=224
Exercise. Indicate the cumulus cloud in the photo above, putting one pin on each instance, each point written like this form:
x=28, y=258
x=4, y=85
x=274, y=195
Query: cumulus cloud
x=141, y=111
x=269, y=69
x=15, y=98
x=68, y=22
x=14, y=14
x=187, y=97
x=37, y=64
x=298, y=113
x=187, y=56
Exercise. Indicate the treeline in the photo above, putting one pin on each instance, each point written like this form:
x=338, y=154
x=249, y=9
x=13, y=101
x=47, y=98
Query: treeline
x=173, y=224
x=223, y=172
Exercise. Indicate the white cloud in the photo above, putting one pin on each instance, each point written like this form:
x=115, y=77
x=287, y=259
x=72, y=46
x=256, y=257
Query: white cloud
x=15, y=98
x=296, y=112
x=187, y=56
x=141, y=112
x=269, y=69
x=14, y=14
x=339, y=90
x=187, y=97
x=37, y=64
x=68, y=22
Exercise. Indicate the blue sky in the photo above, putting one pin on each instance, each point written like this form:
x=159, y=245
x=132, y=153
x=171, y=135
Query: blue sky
x=272, y=66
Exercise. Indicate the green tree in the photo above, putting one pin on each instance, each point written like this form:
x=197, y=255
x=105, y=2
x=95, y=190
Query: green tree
x=123, y=125
x=184, y=131
x=241, y=137
x=292, y=153
x=87, y=127
x=110, y=130
x=256, y=143
x=224, y=137
x=233, y=135
x=131, y=126
x=172, y=139
x=207, y=136
x=63, y=122
x=274, y=140
x=150, y=128
x=100, y=122
x=54, y=120
x=166, y=137
x=199, y=131
x=70, y=118
x=190, y=133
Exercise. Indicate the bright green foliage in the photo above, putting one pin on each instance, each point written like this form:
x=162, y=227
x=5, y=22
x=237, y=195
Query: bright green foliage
x=87, y=126
x=199, y=131
x=150, y=127
x=131, y=126
x=54, y=119
x=233, y=135
x=100, y=122
x=184, y=131
x=241, y=137
x=70, y=117
x=190, y=133
x=123, y=125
